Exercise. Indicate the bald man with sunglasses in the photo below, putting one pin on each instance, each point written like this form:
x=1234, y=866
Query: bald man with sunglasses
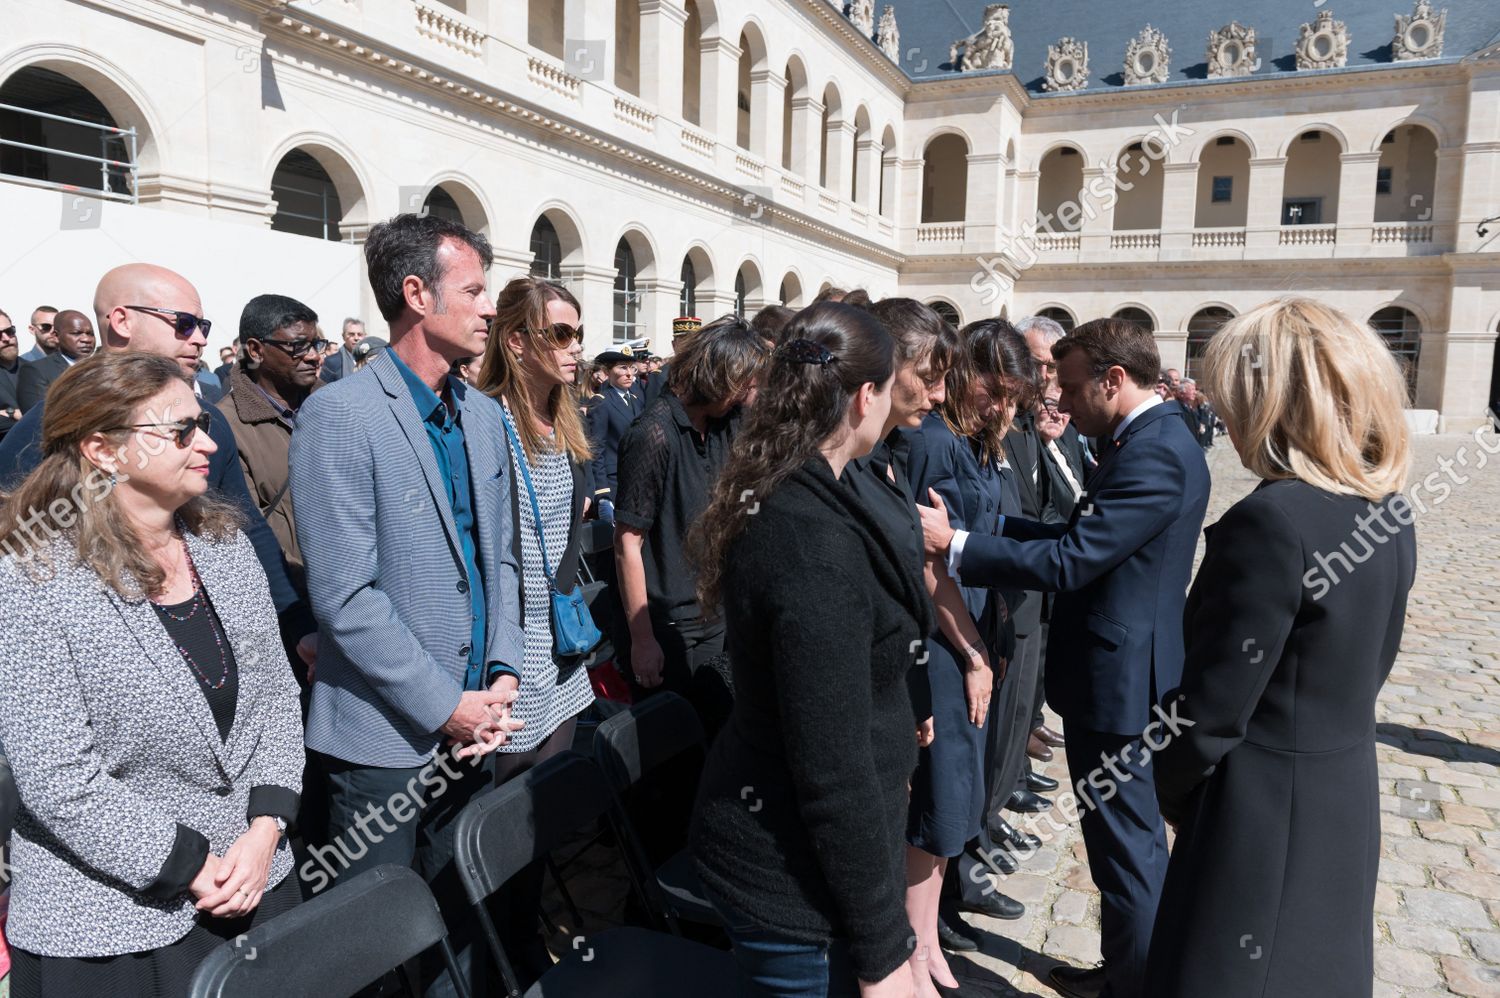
x=148, y=308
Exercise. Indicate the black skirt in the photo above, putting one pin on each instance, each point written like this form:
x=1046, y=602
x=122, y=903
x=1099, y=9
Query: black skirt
x=166, y=972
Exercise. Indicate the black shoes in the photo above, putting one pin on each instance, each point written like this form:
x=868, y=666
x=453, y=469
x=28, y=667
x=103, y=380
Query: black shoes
x=1077, y=982
x=1027, y=802
x=995, y=905
x=1039, y=784
x=996, y=857
x=1008, y=836
x=952, y=940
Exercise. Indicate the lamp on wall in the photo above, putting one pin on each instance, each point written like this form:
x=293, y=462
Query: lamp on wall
x=1484, y=225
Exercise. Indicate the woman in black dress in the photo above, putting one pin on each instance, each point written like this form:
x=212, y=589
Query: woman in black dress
x=798, y=830
x=1292, y=625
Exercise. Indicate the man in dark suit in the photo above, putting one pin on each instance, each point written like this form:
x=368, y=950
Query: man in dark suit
x=1120, y=567
x=10, y=369
x=75, y=341
x=609, y=416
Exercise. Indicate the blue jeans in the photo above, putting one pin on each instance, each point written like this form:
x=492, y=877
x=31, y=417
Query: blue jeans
x=779, y=967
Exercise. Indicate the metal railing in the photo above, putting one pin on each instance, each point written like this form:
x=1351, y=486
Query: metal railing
x=128, y=167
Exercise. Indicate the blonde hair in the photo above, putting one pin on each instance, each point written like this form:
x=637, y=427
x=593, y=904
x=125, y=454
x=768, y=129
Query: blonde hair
x=1311, y=394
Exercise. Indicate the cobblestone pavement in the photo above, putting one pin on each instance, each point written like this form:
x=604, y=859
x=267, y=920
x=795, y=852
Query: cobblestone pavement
x=1437, y=907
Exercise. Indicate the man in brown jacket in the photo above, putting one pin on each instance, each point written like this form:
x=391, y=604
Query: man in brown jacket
x=278, y=369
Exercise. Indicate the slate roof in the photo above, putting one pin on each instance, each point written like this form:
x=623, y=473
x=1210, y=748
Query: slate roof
x=929, y=27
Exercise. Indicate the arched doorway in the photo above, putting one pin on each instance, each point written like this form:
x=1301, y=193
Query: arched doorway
x=945, y=179
x=1402, y=332
x=89, y=151
x=1138, y=316
x=1061, y=316
x=1201, y=328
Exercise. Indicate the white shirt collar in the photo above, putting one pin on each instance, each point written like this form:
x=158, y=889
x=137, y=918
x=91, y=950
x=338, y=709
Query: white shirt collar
x=1151, y=400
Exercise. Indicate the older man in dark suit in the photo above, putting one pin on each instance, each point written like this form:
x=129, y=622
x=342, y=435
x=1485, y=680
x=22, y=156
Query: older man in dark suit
x=1120, y=567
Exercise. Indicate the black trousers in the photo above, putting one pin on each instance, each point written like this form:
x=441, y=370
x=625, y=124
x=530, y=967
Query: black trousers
x=365, y=831
x=693, y=666
x=1013, y=723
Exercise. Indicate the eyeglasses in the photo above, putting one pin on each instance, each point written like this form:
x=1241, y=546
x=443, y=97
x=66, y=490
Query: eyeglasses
x=8, y=331
x=183, y=322
x=560, y=334
x=44, y=327
x=182, y=429
x=298, y=348
x=1050, y=405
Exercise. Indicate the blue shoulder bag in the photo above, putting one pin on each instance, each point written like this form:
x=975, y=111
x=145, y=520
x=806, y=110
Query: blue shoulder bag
x=573, y=629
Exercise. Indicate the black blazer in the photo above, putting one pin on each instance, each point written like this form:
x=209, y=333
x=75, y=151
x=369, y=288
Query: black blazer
x=1120, y=567
x=1023, y=451
x=8, y=398
x=1292, y=626
x=34, y=377
x=608, y=419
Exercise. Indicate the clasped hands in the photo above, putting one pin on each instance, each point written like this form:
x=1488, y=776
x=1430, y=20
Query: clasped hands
x=482, y=723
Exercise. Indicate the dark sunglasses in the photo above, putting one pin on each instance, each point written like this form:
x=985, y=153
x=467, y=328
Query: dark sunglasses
x=8, y=331
x=1050, y=404
x=182, y=429
x=45, y=327
x=560, y=334
x=183, y=322
x=298, y=348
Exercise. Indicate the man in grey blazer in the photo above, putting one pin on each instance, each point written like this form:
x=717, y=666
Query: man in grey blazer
x=405, y=529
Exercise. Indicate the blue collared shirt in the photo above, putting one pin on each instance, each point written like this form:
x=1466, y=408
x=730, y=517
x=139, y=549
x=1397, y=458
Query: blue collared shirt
x=445, y=433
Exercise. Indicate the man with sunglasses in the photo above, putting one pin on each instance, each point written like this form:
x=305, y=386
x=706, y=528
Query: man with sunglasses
x=10, y=369
x=140, y=306
x=75, y=341
x=282, y=345
x=41, y=331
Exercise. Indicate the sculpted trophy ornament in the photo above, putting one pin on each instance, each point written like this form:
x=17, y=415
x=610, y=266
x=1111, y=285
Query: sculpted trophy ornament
x=888, y=36
x=862, y=15
x=1147, y=58
x=1231, y=51
x=1067, y=65
x=988, y=48
x=1323, y=44
x=1419, y=35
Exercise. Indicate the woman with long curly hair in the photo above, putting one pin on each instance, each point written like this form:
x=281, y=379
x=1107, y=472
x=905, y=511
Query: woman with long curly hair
x=824, y=614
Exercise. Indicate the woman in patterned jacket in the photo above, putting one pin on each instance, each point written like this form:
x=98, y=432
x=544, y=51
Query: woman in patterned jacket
x=145, y=700
x=530, y=367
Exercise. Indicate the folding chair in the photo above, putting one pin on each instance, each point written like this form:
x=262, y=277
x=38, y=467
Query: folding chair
x=629, y=747
x=335, y=944
x=500, y=832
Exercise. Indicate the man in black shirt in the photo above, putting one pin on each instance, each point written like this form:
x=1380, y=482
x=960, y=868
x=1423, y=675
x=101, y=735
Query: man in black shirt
x=669, y=460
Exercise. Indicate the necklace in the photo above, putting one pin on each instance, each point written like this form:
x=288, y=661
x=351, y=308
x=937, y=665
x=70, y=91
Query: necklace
x=199, y=601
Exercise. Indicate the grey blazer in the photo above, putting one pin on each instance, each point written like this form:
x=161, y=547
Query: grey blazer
x=113, y=745
x=385, y=572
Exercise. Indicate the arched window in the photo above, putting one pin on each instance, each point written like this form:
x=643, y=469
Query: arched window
x=1139, y=316
x=945, y=179
x=546, y=250
x=628, y=46
x=88, y=151
x=1059, y=190
x=1223, y=184
x=1059, y=315
x=1402, y=332
x=1310, y=195
x=687, y=299
x=440, y=204
x=1201, y=328
x=544, y=26
x=627, y=312
x=307, y=203
x=947, y=311
x=1139, y=186
x=692, y=65
x=1406, y=178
